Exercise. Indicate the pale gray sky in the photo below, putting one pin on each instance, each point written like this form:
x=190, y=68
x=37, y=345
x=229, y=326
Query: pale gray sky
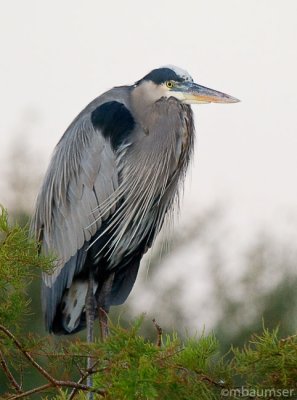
x=57, y=56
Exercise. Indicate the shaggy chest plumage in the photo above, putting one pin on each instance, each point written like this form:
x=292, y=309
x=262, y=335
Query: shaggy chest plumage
x=151, y=162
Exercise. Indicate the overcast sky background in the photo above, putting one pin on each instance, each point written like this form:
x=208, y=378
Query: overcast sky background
x=57, y=56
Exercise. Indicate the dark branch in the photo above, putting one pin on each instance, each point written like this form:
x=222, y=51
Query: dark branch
x=9, y=375
x=49, y=385
x=28, y=356
x=53, y=383
x=32, y=391
x=159, y=333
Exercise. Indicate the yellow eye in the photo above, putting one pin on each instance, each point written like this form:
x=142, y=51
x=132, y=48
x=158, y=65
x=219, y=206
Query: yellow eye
x=169, y=84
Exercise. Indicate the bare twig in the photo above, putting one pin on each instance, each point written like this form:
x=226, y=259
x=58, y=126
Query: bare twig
x=8, y=373
x=32, y=391
x=49, y=385
x=159, y=333
x=80, y=386
x=211, y=381
x=75, y=362
x=203, y=377
x=53, y=383
x=84, y=376
x=287, y=339
x=57, y=355
x=28, y=356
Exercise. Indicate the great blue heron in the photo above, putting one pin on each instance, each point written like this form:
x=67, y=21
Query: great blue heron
x=112, y=179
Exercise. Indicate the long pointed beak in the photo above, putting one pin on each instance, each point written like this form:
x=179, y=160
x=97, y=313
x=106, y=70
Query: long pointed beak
x=193, y=93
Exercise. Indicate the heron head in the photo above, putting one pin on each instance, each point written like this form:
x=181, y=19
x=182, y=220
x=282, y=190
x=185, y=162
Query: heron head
x=171, y=81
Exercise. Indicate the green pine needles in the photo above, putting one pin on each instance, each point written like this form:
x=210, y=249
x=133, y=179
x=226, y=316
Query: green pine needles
x=126, y=365
x=19, y=262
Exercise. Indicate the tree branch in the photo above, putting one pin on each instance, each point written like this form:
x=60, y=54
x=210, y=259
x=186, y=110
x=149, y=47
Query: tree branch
x=54, y=383
x=8, y=373
x=32, y=391
x=84, y=376
x=159, y=333
x=69, y=384
x=28, y=356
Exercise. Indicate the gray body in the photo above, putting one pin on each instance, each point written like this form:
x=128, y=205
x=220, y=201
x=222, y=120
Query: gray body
x=87, y=180
x=113, y=177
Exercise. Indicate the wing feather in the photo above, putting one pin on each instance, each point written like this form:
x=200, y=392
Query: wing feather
x=82, y=174
x=80, y=191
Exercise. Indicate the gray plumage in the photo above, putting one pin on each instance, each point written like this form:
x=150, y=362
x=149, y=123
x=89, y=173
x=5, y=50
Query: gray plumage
x=113, y=177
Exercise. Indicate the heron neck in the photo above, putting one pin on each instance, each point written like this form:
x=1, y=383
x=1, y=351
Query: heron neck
x=143, y=98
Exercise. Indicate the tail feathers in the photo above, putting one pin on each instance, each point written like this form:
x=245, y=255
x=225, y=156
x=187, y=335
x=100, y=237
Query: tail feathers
x=70, y=316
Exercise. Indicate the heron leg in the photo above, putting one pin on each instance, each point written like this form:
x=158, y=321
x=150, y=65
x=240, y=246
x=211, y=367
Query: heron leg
x=90, y=317
x=103, y=303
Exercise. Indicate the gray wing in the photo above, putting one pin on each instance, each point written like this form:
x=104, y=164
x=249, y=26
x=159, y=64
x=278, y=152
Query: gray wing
x=82, y=175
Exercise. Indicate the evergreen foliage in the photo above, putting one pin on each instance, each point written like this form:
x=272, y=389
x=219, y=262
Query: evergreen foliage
x=19, y=262
x=127, y=365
